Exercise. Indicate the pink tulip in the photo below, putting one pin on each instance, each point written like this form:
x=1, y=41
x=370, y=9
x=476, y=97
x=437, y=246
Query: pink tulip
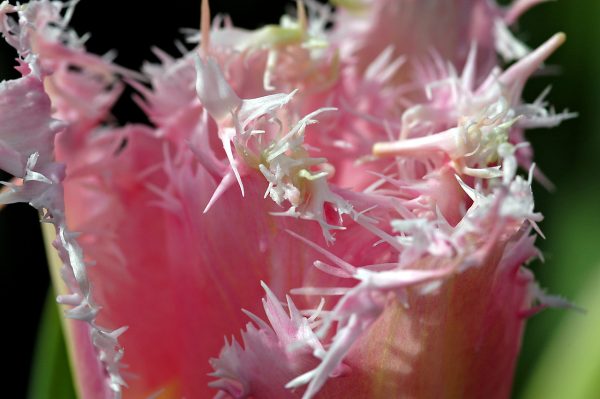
x=365, y=175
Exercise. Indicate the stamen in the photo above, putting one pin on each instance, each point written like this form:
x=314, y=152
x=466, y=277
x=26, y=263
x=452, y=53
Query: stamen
x=302, y=20
x=317, y=312
x=205, y=28
x=342, y=264
x=516, y=75
x=320, y=291
x=444, y=141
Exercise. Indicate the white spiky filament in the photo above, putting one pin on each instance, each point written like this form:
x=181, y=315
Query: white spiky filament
x=485, y=116
x=287, y=336
x=264, y=140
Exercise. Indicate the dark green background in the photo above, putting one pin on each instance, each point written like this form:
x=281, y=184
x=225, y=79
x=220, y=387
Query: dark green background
x=567, y=154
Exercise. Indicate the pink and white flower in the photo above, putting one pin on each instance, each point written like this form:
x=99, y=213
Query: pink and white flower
x=367, y=173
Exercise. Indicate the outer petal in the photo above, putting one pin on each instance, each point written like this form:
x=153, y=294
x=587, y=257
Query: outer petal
x=186, y=274
x=406, y=336
x=26, y=124
x=30, y=132
x=461, y=341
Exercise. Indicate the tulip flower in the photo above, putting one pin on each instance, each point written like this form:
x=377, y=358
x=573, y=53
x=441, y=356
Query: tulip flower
x=328, y=207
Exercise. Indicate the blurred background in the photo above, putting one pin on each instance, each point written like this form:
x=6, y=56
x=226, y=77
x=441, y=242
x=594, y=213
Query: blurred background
x=561, y=349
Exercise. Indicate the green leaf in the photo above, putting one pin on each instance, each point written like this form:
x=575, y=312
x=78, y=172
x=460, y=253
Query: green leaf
x=570, y=367
x=50, y=373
